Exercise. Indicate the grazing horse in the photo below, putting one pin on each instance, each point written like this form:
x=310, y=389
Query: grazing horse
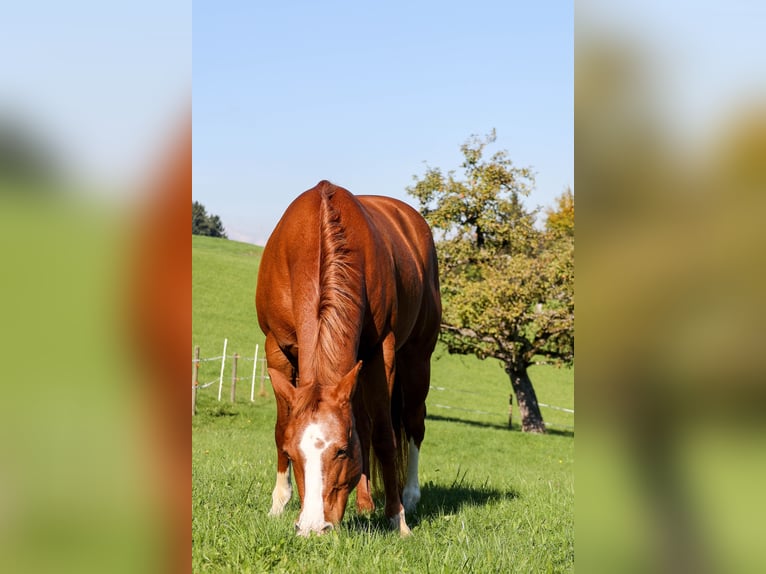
x=348, y=297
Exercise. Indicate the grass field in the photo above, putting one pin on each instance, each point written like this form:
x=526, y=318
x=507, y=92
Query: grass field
x=493, y=500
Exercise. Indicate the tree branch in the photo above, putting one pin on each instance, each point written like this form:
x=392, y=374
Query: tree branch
x=466, y=332
x=498, y=351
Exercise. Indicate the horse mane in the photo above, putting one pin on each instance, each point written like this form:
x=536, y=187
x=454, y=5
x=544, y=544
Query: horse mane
x=340, y=298
x=307, y=400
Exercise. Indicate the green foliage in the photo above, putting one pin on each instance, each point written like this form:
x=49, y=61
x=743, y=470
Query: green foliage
x=560, y=221
x=204, y=224
x=507, y=288
x=483, y=211
x=25, y=158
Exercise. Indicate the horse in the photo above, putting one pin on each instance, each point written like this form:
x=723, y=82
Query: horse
x=348, y=298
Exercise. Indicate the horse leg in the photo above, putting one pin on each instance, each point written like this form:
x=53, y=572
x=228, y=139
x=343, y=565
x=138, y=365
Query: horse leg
x=379, y=388
x=415, y=381
x=283, y=489
x=364, y=502
x=385, y=448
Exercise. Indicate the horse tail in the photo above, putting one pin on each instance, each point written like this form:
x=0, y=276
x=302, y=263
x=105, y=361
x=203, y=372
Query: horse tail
x=402, y=445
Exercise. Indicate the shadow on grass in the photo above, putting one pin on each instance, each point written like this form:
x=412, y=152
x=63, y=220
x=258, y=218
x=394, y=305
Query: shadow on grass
x=551, y=430
x=560, y=432
x=431, y=417
x=222, y=410
x=441, y=499
x=436, y=500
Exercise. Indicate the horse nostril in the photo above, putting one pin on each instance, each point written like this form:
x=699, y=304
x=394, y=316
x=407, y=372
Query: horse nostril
x=297, y=528
x=327, y=527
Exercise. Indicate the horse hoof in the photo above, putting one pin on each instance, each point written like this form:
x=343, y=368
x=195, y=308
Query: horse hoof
x=398, y=523
x=281, y=494
x=364, y=506
x=278, y=506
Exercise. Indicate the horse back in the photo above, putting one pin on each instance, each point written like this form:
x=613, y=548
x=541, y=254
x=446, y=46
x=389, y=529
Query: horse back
x=409, y=259
x=388, y=244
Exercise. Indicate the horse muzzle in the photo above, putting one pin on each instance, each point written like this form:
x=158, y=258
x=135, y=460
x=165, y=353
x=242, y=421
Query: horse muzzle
x=306, y=530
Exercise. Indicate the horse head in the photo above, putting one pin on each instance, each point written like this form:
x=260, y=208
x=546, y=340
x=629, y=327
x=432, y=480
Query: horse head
x=322, y=444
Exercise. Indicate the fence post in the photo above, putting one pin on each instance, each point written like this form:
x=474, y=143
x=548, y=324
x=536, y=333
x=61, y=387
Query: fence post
x=510, y=409
x=234, y=378
x=262, y=391
x=223, y=365
x=195, y=379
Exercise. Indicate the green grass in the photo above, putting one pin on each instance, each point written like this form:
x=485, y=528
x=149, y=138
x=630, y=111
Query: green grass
x=493, y=500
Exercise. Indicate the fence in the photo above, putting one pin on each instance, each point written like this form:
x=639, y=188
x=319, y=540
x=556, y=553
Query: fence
x=491, y=413
x=259, y=365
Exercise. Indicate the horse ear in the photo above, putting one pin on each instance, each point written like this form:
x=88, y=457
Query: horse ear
x=283, y=388
x=347, y=384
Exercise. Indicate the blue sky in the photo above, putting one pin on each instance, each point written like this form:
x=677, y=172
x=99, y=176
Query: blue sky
x=706, y=58
x=286, y=94
x=104, y=84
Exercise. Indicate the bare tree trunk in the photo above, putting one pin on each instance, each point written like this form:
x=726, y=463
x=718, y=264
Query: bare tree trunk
x=531, y=419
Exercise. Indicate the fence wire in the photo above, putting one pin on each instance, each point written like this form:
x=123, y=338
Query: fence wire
x=264, y=376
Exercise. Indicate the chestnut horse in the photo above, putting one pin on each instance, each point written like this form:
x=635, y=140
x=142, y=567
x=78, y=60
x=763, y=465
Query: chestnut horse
x=348, y=297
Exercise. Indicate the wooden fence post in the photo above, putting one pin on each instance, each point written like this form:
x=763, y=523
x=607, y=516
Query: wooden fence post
x=195, y=379
x=234, y=378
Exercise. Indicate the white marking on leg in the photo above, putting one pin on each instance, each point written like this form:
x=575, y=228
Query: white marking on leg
x=283, y=490
x=313, y=444
x=399, y=523
x=411, y=492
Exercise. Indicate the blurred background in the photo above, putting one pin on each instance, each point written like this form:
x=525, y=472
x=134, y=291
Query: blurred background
x=670, y=154
x=95, y=164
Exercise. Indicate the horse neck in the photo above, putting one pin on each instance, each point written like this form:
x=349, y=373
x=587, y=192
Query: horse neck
x=341, y=293
x=335, y=356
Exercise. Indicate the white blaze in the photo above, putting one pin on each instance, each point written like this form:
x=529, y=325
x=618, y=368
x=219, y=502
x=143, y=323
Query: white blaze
x=313, y=444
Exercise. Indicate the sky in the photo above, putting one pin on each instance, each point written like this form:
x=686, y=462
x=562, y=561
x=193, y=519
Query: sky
x=707, y=57
x=286, y=94
x=103, y=85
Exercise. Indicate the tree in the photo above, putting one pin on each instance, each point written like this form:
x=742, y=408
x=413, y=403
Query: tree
x=560, y=220
x=204, y=224
x=507, y=288
x=25, y=157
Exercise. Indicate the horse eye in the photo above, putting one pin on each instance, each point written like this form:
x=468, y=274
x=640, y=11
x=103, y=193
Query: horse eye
x=342, y=453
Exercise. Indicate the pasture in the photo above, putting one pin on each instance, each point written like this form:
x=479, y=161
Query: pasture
x=493, y=500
